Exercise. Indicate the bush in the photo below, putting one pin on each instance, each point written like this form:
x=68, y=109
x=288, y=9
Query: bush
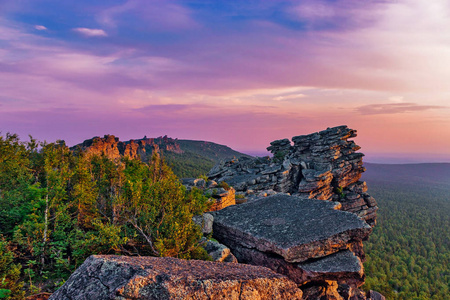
x=224, y=185
x=10, y=287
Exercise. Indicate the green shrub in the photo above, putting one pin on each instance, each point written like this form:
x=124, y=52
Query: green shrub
x=10, y=286
x=224, y=185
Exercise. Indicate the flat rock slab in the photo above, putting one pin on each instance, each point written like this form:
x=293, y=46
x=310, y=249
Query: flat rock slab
x=340, y=262
x=342, y=266
x=122, y=277
x=295, y=228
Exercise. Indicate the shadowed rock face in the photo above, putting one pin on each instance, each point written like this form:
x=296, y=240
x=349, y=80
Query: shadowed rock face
x=121, y=277
x=323, y=165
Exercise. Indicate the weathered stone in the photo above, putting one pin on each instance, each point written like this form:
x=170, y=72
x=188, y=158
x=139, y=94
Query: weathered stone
x=111, y=147
x=223, y=198
x=120, y=277
x=349, y=292
x=342, y=266
x=325, y=291
x=295, y=228
x=219, y=252
x=375, y=296
x=205, y=221
x=316, y=166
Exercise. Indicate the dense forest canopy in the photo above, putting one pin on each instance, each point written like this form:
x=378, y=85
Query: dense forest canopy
x=57, y=208
x=408, y=254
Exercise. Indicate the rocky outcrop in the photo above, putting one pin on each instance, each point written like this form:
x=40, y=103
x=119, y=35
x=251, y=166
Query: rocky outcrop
x=121, y=277
x=307, y=213
x=111, y=147
x=322, y=165
x=307, y=240
x=221, y=195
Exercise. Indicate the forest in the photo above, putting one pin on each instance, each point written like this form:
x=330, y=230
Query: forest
x=57, y=207
x=408, y=254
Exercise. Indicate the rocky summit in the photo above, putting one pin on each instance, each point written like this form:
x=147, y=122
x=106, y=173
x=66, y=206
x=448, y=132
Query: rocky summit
x=158, y=278
x=323, y=165
x=295, y=233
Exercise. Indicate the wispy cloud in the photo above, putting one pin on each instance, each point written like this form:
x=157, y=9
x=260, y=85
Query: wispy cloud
x=40, y=27
x=157, y=15
x=394, y=108
x=90, y=31
x=164, y=108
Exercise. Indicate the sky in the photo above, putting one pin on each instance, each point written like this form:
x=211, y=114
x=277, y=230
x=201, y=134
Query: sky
x=239, y=73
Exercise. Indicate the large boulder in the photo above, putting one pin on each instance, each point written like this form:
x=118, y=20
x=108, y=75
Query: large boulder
x=297, y=229
x=121, y=277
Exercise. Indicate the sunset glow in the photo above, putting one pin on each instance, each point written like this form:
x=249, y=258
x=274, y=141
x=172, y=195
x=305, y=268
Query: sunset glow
x=232, y=72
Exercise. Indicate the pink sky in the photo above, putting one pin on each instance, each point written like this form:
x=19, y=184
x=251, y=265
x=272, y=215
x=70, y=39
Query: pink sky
x=236, y=74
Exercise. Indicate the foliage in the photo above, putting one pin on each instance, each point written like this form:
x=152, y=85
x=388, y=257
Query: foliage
x=279, y=155
x=224, y=185
x=340, y=191
x=58, y=208
x=188, y=164
x=10, y=286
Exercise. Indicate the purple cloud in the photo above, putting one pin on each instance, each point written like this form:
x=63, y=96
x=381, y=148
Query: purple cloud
x=394, y=108
x=90, y=32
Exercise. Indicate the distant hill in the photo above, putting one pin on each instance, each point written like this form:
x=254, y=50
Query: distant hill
x=188, y=158
x=424, y=173
x=408, y=254
x=197, y=157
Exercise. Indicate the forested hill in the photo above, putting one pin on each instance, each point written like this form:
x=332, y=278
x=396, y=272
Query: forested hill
x=187, y=158
x=409, y=251
x=198, y=157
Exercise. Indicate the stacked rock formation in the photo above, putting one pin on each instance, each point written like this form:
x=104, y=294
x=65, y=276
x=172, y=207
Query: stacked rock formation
x=322, y=165
x=121, y=277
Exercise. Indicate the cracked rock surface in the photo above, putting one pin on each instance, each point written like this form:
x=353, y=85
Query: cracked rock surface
x=121, y=277
x=294, y=228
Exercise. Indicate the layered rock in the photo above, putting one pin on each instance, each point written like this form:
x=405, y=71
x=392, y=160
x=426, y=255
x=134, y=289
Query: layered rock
x=322, y=165
x=305, y=239
x=121, y=277
x=110, y=146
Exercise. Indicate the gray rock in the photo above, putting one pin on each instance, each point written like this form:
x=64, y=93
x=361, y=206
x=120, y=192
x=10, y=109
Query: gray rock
x=375, y=296
x=296, y=229
x=342, y=266
x=219, y=252
x=158, y=278
x=205, y=221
